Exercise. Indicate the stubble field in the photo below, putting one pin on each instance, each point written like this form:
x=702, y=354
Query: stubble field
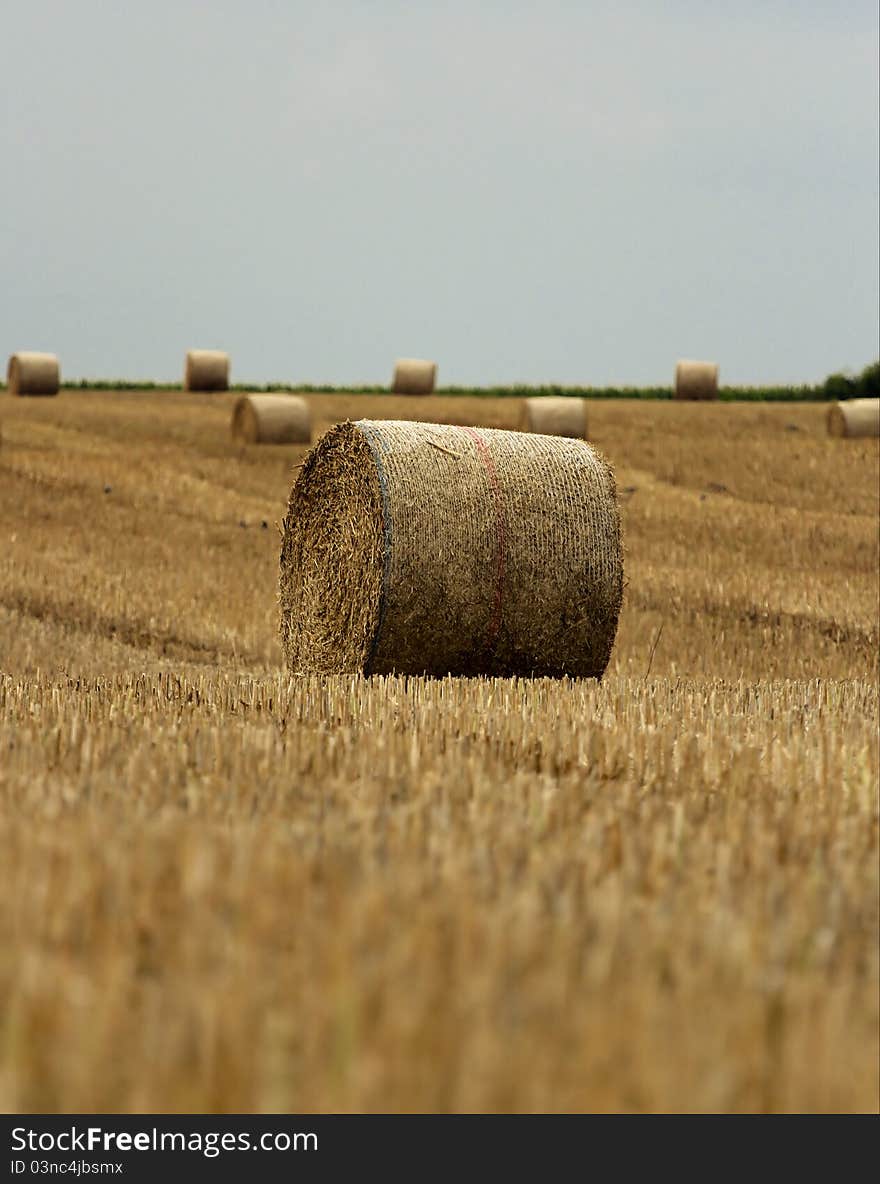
x=228, y=889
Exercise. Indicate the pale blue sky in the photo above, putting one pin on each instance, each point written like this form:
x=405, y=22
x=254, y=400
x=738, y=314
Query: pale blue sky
x=553, y=192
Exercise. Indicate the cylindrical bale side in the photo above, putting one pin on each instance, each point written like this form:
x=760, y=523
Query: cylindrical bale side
x=696, y=380
x=555, y=416
x=206, y=370
x=854, y=417
x=419, y=548
x=414, y=376
x=272, y=419
x=33, y=374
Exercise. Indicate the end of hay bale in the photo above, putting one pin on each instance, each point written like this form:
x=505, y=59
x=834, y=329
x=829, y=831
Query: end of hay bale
x=414, y=376
x=696, y=380
x=30, y=373
x=432, y=549
x=206, y=370
x=271, y=419
x=550, y=415
x=854, y=418
x=836, y=420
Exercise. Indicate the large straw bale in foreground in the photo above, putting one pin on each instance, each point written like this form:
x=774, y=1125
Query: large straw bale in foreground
x=855, y=417
x=33, y=374
x=272, y=419
x=427, y=548
x=555, y=416
x=414, y=376
x=696, y=380
x=206, y=370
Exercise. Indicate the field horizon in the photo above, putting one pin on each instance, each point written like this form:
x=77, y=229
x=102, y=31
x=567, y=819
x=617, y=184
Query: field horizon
x=794, y=393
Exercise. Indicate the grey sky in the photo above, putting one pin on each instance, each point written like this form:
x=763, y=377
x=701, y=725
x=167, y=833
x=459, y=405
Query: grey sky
x=553, y=192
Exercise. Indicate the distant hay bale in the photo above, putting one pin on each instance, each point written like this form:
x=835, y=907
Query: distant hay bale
x=33, y=374
x=433, y=549
x=272, y=419
x=206, y=370
x=854, y=417
x=552, y=416
x=414, y=376
x=696, y=380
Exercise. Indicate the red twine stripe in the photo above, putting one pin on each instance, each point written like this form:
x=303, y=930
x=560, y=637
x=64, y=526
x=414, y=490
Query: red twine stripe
x=489, y=465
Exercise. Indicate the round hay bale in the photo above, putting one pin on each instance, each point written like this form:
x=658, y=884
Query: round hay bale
x=552, y=416
x=696, y=380
x=414, y=376
x=33, y=374
x=432, y=549
x=206, y=370
x=272, y=419
x=854, y=417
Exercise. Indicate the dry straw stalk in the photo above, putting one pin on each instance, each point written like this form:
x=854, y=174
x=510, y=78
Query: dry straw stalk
x=414, y=376
x=272, y=419
x=206, y=370
x=33, y=374
x=855, y=417
x=696, y=380
x=555, y=416
x=426, y=548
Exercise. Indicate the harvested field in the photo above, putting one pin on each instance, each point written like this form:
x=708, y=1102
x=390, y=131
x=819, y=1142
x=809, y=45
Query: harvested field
x=229, y=889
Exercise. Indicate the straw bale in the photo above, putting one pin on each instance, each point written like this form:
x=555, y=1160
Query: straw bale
x=206, y=370
x=272, y=419
x=435, y=549
x=696, y=380
x=33, y=374
x=414, y=376
x=854, y=417
x=555, y=416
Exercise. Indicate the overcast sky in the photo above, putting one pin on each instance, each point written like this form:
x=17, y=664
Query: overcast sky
x=549, y=192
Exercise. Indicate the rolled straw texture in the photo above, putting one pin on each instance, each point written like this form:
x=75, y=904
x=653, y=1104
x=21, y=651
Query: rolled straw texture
x=696, y=380
x=555, y=416
x=854, y=417
x=433, y=549
x=272, y=419
x=33, y=374
x=414, y=376
x=206, y=370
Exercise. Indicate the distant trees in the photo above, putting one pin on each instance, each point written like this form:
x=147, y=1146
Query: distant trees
x=854, y=386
